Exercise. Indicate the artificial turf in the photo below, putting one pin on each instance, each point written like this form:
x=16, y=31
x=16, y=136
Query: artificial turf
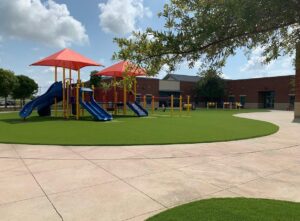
x=232, y=209
x=158, y=128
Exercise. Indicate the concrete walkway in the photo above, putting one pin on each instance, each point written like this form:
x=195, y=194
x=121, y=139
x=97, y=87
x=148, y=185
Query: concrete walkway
x=133, y=183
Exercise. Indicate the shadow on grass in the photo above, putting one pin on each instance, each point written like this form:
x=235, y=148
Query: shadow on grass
x=38, y=119
x=124, y=116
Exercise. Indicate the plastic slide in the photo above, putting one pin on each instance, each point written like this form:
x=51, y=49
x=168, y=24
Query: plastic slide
x=93, y=108
x=137, y=109
x=44, y=101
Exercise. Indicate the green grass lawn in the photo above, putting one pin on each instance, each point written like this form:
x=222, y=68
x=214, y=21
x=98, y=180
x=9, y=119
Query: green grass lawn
x=159, y=128
x=232, y=209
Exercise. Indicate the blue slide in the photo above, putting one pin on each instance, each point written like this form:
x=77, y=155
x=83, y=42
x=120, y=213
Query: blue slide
x=44, y=101
x=137, y=109
x=92, y=107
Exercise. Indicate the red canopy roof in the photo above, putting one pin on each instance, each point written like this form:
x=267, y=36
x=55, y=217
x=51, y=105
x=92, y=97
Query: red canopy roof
x=117, y=70
x=68, y=59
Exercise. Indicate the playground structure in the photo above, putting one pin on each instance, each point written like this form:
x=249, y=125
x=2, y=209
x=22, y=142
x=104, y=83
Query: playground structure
x=226, y=105
x=212, y=105
x=71, y=94
x=146, y=103
x=126, y=73
x=74, y=96
x=232, y=105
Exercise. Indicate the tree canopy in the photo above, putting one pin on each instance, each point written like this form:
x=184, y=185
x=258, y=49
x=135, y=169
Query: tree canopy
x=25, y=88
x=8, y=82
x=95, y=79
x=211, y=86
x=211, y=30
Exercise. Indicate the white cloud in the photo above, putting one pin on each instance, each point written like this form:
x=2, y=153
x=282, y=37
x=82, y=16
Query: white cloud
x=49, y=23
x=120, y=16
x=44, y=77
x=255, y=66
x=225, y=76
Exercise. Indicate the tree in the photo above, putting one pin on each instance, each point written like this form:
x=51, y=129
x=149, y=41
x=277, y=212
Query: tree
x=211, y=86
x=212, y=30
x=25, y=88
x=8, y=82
x=95, y=79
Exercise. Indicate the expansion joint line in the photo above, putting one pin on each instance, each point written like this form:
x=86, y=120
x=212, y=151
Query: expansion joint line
x=120, y=179
x=37, y=182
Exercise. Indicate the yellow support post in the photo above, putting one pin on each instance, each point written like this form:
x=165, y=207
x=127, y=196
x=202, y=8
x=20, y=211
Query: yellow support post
x=93, y=89
x=68, y=96
x=172, y=104
x=64, y=92
x=55, y=74
x=124, y=98
x=152, y=103
x=55, y=100
x=77, y=102
x=134, y=89
x=70, y=91
x=188, y=104
x=82, y=98
x=116, y=106
x=180, y=104
x=70, y=76
x=144, y=103
x=115, y=95
x=77, y=95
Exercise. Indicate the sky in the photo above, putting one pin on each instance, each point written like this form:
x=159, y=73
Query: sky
x=33, y=29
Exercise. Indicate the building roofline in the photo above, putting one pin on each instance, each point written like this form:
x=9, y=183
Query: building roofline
x=247, y=79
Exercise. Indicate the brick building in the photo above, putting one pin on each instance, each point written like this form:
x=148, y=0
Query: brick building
x=269, y=92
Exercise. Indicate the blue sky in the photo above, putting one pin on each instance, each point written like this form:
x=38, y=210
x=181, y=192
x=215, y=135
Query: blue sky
x=33, y=29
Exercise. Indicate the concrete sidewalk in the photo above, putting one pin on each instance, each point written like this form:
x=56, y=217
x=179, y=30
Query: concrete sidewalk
x=133, y=183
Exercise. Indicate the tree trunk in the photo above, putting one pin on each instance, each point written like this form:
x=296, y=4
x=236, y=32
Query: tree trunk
x=5, y=102
x=297, y=83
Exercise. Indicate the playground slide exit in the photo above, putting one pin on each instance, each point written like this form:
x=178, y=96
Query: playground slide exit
x=137, y=109
x=47, y=99
x=93, y=108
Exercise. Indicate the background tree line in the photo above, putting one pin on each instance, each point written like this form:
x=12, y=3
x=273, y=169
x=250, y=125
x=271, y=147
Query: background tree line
x=18, y=86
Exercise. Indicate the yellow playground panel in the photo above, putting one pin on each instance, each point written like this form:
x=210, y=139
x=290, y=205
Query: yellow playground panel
x=232, y=105
x=212, y=105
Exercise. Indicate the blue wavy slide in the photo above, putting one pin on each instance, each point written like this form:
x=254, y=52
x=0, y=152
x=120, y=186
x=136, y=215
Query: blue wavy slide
x=44, y=101
x=93, y=108
x=137, y=109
